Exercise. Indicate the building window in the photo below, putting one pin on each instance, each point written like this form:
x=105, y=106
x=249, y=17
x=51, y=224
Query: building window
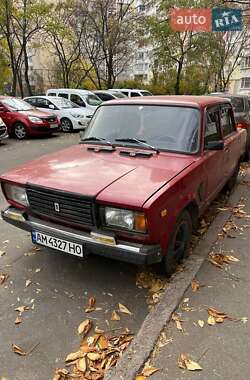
x=141, y=8
x=245, y=62
x=245, y=82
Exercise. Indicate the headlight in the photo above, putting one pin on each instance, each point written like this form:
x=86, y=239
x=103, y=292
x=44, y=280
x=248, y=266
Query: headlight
x=77, y=116
x=127, y=219
x=35, y=119
x=16, y=194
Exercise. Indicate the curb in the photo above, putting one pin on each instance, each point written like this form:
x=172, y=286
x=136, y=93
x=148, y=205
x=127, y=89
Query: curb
x=143, y=344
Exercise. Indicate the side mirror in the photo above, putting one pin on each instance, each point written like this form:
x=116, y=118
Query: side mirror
x=51, y=106
x=214, y=145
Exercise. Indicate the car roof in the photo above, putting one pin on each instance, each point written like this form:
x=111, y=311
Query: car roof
x=44, y=97
x=127, y=89
x=181, y=100
x=73, y=90
x=227, y=95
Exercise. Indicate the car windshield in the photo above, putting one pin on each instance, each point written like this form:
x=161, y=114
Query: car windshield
x=170, y=128
x=237, y=103
x=93, y=100
x=16, y=104
x=63, y=103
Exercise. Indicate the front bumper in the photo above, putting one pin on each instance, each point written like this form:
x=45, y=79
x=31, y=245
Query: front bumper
x=4, y=136
x=36, y=128
x=124, y=251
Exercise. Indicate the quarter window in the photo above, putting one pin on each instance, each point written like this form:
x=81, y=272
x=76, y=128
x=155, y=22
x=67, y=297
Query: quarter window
x=227, y=125
x=63, y=95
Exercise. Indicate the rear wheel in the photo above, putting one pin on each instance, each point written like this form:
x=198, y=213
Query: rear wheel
x=20, y=131
x=66, y=125
x=179, y=243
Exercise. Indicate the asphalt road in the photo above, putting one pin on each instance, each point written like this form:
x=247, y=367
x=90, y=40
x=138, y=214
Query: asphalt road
x=59, y=289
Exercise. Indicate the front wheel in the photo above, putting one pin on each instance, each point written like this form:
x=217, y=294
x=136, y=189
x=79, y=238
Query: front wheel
x=66, y=125
x=233, y=180
x=179, y=243
x=20, y=131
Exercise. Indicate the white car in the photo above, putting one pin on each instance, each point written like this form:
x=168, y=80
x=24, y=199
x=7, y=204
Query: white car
x=83, y=98
x=71, y=116
x=3, y=130
x=132, y=92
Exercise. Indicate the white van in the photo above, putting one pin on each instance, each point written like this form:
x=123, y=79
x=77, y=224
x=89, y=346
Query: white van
x=82, y=98
x=132, y=92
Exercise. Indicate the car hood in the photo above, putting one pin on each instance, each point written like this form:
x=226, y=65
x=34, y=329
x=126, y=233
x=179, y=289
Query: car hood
x=35, y=112
x=108, y=176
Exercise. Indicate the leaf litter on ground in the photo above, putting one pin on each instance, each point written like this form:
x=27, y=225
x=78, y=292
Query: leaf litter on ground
x=184, y=362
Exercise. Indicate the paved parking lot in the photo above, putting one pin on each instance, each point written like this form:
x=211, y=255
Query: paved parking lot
x=59, y=289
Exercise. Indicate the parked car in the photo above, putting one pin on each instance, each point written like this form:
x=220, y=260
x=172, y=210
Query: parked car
x=134, y=187
x=132, y=92
x=241, y=107
x=82, y=98
x=3, y=130
x=106, y=95
x=22, y=119
x=71, y=116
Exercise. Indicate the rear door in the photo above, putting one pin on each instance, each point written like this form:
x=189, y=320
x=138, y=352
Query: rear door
x=229, y=132
x=213, y=159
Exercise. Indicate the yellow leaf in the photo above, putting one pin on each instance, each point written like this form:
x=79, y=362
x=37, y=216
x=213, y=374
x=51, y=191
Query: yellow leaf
x=177, y=321
x=149, y=370
x=195, y=285
x=18, y=320
x=124, y=309
x=84, y=327
x=201, y=323
x=93, y=356
x=18, y=350
x=27, y=283
x=211, y=320
x=140, y=377
x=103, y=342
x=217, y=314
x=115, y=316
x=81, y=365
x=193, y=366
x=22, y=309
x=232, y=258
x=91, y=305
x=3, y=277
x=74, y=356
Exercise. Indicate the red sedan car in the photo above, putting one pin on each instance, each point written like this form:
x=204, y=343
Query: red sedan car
x=23, y=120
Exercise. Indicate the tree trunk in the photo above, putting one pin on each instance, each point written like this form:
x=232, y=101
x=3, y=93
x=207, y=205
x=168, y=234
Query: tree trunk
x=178, y=77
x=26, y=72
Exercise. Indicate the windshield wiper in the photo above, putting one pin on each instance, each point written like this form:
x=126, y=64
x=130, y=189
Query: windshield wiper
x=93, y=138
x=133, y=140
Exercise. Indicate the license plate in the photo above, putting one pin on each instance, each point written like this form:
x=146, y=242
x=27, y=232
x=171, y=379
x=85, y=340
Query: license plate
x=56, y=243
x=53, y=125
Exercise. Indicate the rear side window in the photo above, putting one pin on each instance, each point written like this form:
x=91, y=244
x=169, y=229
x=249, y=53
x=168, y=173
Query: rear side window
x=77, y=100
x=31, y=101
x=42, y=103
x=212, y=131
x=134, y=94
x=227, y=125
x=51, y=94
x=63, y=95
x=125, y=92
x=104, y=96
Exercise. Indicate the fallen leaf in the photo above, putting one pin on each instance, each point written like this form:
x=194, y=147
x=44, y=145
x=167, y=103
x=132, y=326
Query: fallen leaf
x=211, y=320
x=93, y=356
x=195, y=285
x=115, y=316
x=177, y=321
x=201, y=323
x=74, y=356
x=3, y=277
x=60, y=374
x=244, y=319
x=38, y=270
x=149, y=370
x=27, y=283
x=140, y=377
x=82, y=365
x=185, y=363
x=22, y=309
x=18, y=320
x=103, y=342
x=2, y=253
x=18, y=350
x=218, y=315
x=124, y=309
x=232, y=258
x=84, y=327
x=91, y=305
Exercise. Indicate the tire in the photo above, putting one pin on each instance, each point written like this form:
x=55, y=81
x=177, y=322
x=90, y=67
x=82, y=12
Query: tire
x=233, y=180
x=19, y=131
x=179, y=243
x=66, y=125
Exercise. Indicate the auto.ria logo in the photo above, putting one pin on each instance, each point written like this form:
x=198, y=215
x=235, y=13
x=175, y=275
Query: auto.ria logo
x=226, y=20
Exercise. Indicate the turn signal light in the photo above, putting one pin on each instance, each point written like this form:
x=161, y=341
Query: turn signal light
x=140, y=222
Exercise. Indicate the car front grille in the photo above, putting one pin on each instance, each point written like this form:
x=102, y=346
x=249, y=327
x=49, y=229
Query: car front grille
x=63, y=206
x=50, y=119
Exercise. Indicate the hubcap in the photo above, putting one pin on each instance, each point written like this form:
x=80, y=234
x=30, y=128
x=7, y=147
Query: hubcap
x=66, y=125
x=20, y=131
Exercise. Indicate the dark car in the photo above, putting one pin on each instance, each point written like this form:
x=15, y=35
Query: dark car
x=22, y=119
x=241, y=107
x=106, y=95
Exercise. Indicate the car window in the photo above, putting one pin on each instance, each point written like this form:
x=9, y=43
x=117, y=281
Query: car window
x=93, y=100
x=63, y=95
x=133, y=94
x=105, y=97
x=146, y=93
x=227, y=124
x=125, y=92
x=212, y=130
x=77, y=100
x=51, y=94
x=62, y=103
x=31, y=101
x=237, y=103
x=42, y=103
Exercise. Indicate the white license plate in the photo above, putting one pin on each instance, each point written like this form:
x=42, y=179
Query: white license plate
x=53, y=125
x=56, y=243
